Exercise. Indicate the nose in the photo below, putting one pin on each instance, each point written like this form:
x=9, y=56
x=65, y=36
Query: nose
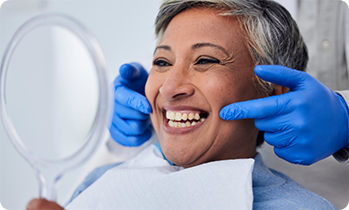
x=177, y=84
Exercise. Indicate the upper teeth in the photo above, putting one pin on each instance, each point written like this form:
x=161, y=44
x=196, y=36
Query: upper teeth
x=178, y=116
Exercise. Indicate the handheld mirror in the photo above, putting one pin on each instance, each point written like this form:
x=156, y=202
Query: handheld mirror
x=55, y=96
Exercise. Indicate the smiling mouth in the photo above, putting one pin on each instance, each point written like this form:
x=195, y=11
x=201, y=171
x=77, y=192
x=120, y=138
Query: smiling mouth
x=184, y=119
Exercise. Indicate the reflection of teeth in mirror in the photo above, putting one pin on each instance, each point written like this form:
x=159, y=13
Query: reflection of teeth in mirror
x=187, y=124
x=178, y=116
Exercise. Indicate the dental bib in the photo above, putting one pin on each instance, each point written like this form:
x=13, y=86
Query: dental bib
x=150, y=182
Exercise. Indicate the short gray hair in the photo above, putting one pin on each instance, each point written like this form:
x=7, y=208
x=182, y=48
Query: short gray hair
x=272, y=35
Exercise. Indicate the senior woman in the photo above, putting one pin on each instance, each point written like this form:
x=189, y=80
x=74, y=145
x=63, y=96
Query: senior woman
x=205, y=57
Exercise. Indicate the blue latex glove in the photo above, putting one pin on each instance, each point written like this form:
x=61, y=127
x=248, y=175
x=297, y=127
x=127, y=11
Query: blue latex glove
x=131, y=123
x=305, y=125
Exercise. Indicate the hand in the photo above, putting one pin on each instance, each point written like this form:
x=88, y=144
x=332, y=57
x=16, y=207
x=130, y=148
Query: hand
x=42, y=204
x=130, y=123
x=305, y=125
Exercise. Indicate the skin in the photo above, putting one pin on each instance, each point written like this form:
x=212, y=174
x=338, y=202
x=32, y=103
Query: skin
x=202, y=63
x=42, y=204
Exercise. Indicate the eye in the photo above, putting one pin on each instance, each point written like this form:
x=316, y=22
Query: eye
x=159, y=62
x=203, y=61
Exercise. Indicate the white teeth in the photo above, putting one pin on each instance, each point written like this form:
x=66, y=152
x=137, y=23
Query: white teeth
x=171, y=116
x=178, y=116
x=184, y=125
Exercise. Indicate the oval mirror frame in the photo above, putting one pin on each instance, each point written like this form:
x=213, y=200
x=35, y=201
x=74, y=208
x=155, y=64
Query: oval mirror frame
x=102, y=119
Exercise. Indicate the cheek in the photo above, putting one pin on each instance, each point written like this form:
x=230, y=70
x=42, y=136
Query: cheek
x=151, y=92
x=148, y=91
x=228, y=87
x=152, y=88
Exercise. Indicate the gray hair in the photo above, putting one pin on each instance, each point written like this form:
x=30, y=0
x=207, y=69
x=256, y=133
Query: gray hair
x=272, y=35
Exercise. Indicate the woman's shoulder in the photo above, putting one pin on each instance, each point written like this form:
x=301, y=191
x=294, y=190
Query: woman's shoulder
x=274, y=190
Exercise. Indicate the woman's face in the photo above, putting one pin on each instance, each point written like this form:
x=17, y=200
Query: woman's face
x=201, y=64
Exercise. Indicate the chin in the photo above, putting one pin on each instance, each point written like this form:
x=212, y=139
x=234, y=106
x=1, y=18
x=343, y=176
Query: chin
x=181, y=157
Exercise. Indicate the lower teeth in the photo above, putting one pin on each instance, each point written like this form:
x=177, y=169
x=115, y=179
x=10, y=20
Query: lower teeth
x=184, y=125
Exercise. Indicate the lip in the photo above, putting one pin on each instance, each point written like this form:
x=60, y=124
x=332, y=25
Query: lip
x=181, y=109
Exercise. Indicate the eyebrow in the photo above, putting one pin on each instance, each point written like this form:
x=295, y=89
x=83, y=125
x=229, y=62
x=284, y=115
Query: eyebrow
x=194, y=47
x=165, y=47
x=207, y=44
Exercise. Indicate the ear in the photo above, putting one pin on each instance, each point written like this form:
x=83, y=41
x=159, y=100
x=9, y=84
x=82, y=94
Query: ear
x=278, y=90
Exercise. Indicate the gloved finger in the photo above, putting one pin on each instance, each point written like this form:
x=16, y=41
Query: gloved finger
x=258, y=108
x=133, y=76
x=128, y=112
x=268, y=124
x=292, y=155
x=280, y=139
x=130, y=127
x=130, y=141
x=281, y=75
x=130, y=98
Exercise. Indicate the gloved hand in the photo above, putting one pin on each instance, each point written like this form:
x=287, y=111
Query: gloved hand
x=131, y=123
x=305, y=125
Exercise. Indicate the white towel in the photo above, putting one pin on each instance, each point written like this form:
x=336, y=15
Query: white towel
x=149, y=182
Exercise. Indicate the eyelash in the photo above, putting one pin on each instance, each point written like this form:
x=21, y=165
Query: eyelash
x=203, y=61
x=161, y=63
x=200, y=61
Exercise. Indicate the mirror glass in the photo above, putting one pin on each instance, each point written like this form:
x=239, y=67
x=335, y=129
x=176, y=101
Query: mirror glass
x=52, y=92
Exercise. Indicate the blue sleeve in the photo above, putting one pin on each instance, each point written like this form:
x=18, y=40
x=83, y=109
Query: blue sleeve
x=90, y=179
